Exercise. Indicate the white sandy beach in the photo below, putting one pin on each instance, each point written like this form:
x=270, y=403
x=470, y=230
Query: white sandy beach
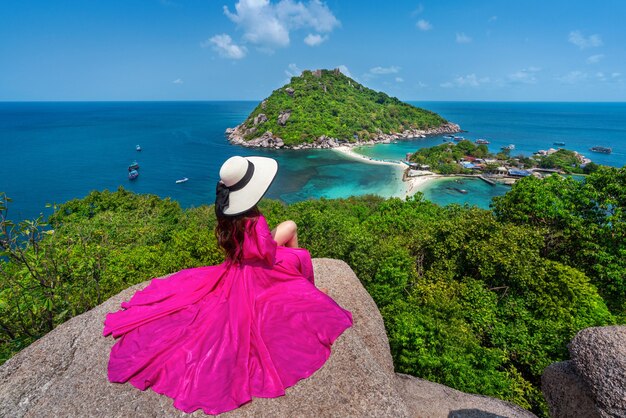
x=418, y=184
x=411, y=186
x=350, y=153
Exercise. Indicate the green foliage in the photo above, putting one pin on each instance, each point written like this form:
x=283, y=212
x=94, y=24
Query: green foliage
x=583, y=224
x=334, y=105
x=476, y=300
x=444, y=158
x=563, y=159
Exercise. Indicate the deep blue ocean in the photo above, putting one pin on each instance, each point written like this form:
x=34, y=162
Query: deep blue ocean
x=56, y=151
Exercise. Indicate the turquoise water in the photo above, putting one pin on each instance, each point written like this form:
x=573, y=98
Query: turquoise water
x=448, y=190
x=53, y=152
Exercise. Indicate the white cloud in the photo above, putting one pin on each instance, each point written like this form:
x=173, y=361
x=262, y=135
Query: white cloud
x=314, y=40
x=293, y=71
x=224, y=45
x=424, y=25
x=344, y=70
x=462, y=38
x=178, y=81
x=615, y=75
x=399, y=79
x=524, y=76
x=578, y=39
x=421, y=85
x=493, y=18
x=594, y=59
x=268, y=25
x=469, y=80
x=573, y=77
x=385, y=70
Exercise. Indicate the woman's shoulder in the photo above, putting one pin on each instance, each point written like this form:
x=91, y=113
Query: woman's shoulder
x=257, y=223
x=258, y=242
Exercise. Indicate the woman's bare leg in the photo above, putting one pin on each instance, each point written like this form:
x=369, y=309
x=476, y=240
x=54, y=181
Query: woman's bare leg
x=286, y=233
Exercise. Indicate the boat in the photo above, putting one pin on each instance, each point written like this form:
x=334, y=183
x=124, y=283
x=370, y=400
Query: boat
x=603, y=150
x=482, y=141
x=138, y=148
x=458, y=138
x=184, y=179
x=133, y=166
x=559, y=143
x=449, y=136
x=508, y=147
x=133, y=174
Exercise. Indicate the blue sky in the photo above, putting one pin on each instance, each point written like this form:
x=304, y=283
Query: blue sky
x=230, y=50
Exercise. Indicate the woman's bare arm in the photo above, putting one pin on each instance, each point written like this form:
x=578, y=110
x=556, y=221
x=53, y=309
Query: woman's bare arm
x=286, y=233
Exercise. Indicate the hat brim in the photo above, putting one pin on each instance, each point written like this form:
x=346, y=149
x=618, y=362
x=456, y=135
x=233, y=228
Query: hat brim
x=242, y=200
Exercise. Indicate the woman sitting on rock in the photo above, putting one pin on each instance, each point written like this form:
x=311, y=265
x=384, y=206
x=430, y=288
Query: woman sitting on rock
x=213, y=337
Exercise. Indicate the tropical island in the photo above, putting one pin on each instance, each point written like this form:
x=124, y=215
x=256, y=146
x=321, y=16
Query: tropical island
x=327, y=109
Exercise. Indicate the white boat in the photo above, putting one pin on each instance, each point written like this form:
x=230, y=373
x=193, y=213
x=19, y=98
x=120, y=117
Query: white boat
x=508, y=147
x=138, y=148
x=184, y=179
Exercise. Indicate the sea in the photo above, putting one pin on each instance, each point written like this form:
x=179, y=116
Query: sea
x=56, y=151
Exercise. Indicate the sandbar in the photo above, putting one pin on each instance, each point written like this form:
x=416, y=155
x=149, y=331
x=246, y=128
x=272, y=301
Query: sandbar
x=412, y=185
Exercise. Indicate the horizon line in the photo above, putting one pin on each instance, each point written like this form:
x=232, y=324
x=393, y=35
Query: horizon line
x=259, y=100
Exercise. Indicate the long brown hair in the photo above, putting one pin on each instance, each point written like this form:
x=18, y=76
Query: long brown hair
x=230, y=230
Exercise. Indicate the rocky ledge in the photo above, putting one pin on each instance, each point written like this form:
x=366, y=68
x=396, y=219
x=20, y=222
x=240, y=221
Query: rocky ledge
x=593, y=383
x=269, y=140
x=64, y=374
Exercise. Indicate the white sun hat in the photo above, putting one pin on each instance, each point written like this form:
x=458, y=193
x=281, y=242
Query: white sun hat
x=243, y=182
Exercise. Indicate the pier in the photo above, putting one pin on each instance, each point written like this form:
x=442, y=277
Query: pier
x=485, y=179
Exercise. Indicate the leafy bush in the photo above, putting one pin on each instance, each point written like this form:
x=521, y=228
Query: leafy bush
x=582, y=222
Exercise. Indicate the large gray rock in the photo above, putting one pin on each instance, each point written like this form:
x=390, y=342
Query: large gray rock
x=64, y=373
x=260, y=118
x=599, y=356
x=428, y=399
x=567, y=395
x=282, y=118
x=593, y=382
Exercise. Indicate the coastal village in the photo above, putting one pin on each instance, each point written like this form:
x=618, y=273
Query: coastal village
x=459, y=157
x=501, y=167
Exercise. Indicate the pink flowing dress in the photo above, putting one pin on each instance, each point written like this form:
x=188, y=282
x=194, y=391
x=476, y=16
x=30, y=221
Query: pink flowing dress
x=213, y=337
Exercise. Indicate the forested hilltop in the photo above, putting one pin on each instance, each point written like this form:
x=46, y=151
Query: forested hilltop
x=479, y=300
x=325, y=108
